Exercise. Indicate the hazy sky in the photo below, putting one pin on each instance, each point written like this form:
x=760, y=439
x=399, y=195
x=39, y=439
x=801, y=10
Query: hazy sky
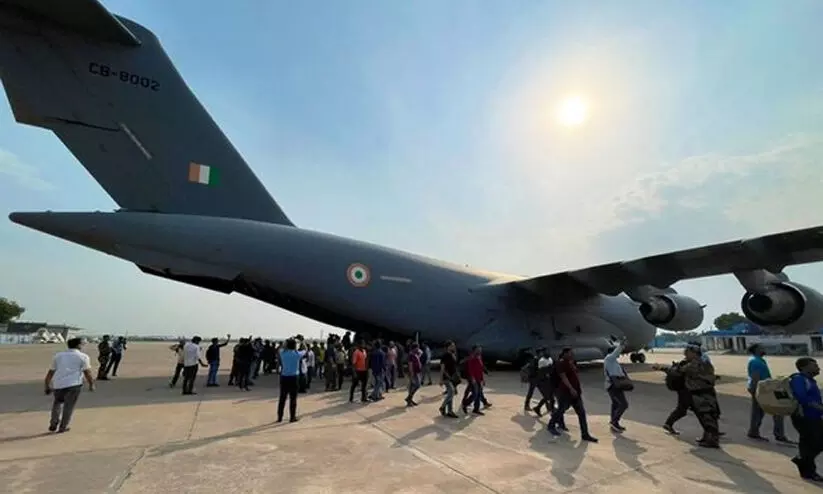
x=430, y=126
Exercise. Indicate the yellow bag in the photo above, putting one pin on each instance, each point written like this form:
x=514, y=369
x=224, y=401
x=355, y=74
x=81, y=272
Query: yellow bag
x=775, y=396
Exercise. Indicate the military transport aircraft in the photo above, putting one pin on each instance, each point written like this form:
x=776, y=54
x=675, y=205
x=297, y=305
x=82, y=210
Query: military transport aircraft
x=192, y=211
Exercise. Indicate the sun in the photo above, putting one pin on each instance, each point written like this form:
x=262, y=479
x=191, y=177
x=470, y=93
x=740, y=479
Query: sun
x=573, y=111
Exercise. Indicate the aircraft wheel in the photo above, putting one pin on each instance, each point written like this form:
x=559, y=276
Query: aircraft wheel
x=633, y=358
x=641, y=358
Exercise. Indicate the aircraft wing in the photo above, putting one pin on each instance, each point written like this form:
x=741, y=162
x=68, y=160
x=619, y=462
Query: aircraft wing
x=88, y=17
x=770, y=252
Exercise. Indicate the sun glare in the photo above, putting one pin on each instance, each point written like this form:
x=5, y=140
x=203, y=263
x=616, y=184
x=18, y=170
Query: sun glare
x=572, y=111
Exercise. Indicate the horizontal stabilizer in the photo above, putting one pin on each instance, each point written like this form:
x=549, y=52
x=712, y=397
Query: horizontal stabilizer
x=88, y=18
x=771, y=253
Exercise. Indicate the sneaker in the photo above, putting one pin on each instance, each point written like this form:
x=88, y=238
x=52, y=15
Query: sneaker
x=616, y=428
x=590, y=439
x=452, y=415
x=442, y=411
x=554, y=432
x=785, y=440
x=52, y=428
x=477, y=412
x=563, y=427
x=757, y=437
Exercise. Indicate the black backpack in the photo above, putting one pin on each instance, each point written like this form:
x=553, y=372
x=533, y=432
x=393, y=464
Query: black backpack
x=675, y=382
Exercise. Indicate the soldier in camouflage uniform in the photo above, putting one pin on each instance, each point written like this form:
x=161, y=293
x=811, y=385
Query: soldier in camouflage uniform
x=699, y=379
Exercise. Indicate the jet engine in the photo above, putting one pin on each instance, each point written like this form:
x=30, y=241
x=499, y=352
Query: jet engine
x=786, y=307
x=672, y=311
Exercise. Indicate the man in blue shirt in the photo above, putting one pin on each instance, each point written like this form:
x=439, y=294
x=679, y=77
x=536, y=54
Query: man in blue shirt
x=758, y=370
x=290, y=370
x=808, y=419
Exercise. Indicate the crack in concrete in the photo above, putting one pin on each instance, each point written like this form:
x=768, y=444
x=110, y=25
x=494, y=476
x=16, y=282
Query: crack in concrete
x=194, y=419
x=121, y=479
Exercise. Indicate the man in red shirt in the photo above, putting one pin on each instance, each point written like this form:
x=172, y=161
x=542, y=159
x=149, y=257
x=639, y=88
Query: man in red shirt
x=474, y=371
x=569, y=395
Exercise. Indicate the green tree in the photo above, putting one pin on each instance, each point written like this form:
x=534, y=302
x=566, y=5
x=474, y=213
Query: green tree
x=9, y=309
x=727, y=320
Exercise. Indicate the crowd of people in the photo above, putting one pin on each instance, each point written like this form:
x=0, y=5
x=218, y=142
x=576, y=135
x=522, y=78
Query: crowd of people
x=374, y=367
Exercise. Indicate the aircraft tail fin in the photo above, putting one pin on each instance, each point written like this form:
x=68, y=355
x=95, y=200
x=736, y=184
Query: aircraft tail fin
x=105, y=86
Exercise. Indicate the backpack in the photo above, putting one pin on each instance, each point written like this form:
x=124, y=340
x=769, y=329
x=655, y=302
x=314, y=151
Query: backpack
x=675, y=382
x=528, y=371
x=775, y=396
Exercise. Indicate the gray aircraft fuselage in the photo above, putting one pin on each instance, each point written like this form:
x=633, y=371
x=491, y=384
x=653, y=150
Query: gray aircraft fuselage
x=194, y=212
x=309, y=273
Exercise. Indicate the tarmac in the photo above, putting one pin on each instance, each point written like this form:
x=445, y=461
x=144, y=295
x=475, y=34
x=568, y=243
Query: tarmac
x=135, y=435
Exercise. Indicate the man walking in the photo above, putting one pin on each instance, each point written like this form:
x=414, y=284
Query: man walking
x=570, y=395
x=65, y=380
x=450, y=377
x=290, y=370
x=117, y=349
x=191, y=358
x=808, y=419
x=616, y=386
x=758, y=370
x=415, y=374
x=377, y=362
x=213, y=359
x=360, y=372
x=103, y=356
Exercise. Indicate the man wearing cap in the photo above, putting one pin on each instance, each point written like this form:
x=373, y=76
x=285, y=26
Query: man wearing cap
x=699, y=381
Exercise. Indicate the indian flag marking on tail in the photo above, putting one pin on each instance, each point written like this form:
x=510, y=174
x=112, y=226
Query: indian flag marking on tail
x=202, y=174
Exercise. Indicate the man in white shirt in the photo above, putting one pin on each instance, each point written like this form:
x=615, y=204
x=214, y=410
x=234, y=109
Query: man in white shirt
x=614, y=373
x=191, y=358
x=543, y=382
x=311, y=365
x=65, y=380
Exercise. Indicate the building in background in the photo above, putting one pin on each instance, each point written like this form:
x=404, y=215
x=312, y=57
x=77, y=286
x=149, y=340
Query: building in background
x=36, y=332
x=741, y=336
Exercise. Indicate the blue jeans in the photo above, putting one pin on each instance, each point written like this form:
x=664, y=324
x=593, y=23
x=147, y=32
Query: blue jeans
x=448, y=401
x=414, y=385
x=379, y=379
x=477, y=392
x=213, y=366
x=756, y=420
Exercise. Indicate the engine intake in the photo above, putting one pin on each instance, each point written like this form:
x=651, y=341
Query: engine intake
x=787, y=307
x=673, y=312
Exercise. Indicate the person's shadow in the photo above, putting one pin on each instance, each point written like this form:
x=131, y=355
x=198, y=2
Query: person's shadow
x=627, y=451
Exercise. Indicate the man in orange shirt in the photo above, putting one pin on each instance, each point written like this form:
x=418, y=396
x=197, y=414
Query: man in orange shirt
x=360, y=372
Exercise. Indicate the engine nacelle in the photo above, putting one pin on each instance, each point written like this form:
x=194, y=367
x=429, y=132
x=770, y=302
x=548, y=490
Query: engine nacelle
x=673, y=312
x=786, y=307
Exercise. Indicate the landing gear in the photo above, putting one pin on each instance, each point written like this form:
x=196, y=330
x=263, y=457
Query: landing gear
x=638, y=358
